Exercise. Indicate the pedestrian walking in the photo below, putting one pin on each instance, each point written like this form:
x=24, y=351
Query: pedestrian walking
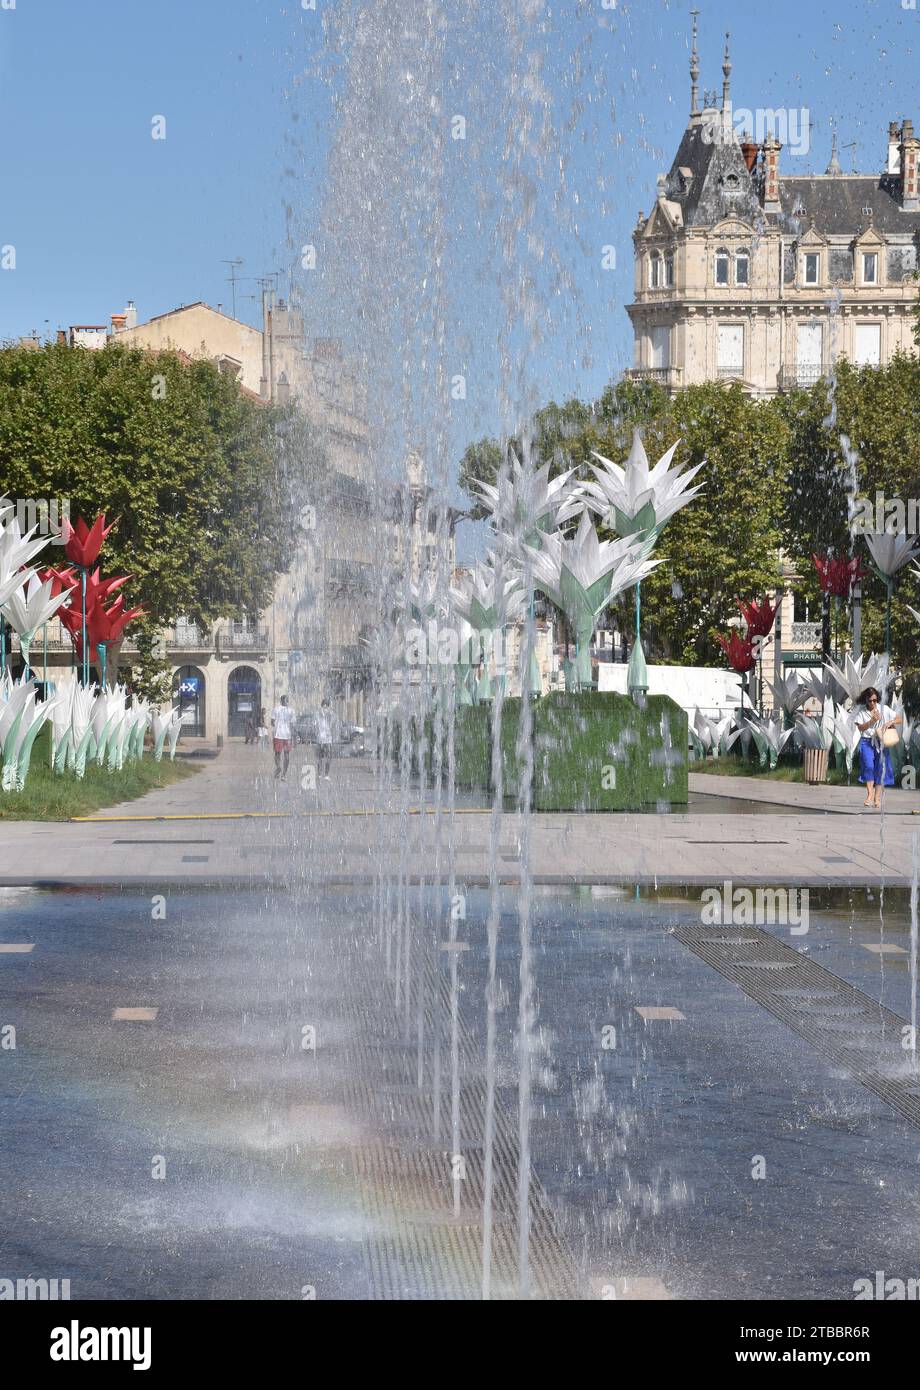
x=283, y=732
x=325, y=737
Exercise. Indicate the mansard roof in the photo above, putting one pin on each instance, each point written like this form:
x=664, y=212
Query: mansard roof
x=838, y=204
x=707, y=196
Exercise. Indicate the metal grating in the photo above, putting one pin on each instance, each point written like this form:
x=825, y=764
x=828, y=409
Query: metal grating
x=808, y=992
x=418, y=1249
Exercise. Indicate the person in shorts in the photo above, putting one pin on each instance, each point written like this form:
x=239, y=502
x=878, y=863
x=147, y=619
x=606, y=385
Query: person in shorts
x=325, y=737
x=283, y=733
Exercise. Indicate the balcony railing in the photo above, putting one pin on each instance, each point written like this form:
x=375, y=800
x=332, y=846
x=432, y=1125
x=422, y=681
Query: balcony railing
x=735, y=373
x=664, y=376
x=242, y=638
x=804, y=374
x=349, y=577
x=806, y=634
x=187, y=637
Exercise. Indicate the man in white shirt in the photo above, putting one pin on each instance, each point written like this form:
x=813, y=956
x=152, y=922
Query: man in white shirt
x=283, y=732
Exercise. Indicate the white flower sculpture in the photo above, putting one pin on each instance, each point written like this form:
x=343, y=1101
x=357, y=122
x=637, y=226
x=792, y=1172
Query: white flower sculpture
x=637, y=499
x=486, y=600
x=582, y=574
x=789, y=694
x=29, y=606
x=163, y=727
x=891, y=551
x=20, y=722
x=526, y=502
x=770, y=738
x=856, y=676
x=846, y=734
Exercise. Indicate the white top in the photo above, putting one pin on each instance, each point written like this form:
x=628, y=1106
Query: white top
x=283, y=721
x=325, y=726
x=885, y=715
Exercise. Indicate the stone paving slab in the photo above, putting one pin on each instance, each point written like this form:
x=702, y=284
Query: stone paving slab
x=258, y=831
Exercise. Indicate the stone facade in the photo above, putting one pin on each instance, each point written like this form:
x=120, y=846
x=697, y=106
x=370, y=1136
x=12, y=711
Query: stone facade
x=312, y=639
x=744, y=272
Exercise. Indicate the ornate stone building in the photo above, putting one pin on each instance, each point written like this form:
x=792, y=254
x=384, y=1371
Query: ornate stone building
x=747, y=272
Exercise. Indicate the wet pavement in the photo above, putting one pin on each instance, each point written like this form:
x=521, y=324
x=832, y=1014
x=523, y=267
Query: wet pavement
x=201, y=1150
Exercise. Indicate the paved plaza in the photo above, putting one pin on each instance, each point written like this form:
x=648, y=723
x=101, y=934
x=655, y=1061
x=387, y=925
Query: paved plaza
x=218, y=1090
x=233, y=822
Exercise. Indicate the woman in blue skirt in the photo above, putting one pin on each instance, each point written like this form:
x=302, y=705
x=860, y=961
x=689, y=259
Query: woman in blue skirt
x=872, y=720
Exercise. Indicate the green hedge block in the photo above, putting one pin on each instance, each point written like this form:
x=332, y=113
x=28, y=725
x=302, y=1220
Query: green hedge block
x=598, y=751
x=472, y=746
x=593, y=751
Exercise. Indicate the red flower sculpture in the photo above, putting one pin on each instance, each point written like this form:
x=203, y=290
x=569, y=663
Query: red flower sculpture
x=83, y=543
x=758, y=616
x=102, y=625
x=59, y=579
x=739, y=651
x=837, y=574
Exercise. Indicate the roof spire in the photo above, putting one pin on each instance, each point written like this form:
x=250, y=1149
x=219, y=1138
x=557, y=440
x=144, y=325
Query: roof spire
x=694, y=70
x=834, y=166
x=726, y=73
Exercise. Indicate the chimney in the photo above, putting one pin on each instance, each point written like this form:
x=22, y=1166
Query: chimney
x=771, y=149
x=119, y=323
x=130, y=314
x=750, y=149
x=894, y=148
x=910, y=168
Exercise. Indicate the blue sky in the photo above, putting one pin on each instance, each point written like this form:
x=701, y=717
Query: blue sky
x=99, y=212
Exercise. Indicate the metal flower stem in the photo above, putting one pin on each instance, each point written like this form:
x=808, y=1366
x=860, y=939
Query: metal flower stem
x=101, y=646
x=2, y=646
x=85, y=680
x=889, y=584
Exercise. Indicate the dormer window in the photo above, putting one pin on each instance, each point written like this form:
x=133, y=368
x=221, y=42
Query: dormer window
x=870, y=267
x=722, y=267
x=742, y=268
x=811, y=268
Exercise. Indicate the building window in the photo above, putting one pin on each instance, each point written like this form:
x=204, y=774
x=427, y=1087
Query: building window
x=867, y=344
x=809, y=353
x=799, y=608
x=660, y=347
x=731, y=349
x=870, y=267
x=812, y=267
x=722, y=267
x=742, y=268
x=654, y=271
x=669, y=270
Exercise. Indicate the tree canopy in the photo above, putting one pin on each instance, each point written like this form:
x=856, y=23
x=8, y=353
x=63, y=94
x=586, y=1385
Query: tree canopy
x=779, y=477
x=194, y=469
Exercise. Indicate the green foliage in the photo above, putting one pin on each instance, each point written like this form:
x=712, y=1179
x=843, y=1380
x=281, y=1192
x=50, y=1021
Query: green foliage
x=874, y=412
x=51, y=795
x=592, y=751
x=196, y=471
x=723, y=545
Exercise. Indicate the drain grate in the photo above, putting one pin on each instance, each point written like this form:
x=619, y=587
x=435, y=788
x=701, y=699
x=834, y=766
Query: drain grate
x=162, y=842
x=803, y=1004
x=418, y=1249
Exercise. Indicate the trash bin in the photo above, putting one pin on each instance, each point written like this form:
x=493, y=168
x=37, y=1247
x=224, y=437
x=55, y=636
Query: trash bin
x=815, y=765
